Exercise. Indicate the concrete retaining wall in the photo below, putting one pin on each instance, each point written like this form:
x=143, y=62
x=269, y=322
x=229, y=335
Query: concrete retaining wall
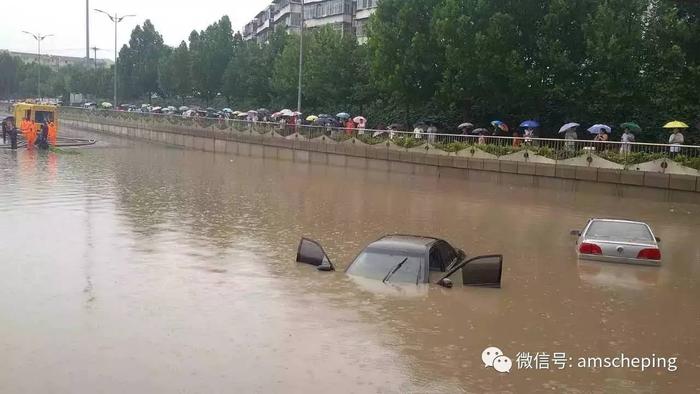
x=618, y=182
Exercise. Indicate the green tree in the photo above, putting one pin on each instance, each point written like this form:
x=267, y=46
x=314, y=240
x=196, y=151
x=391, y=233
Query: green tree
x=211, y=51
x=406, y=58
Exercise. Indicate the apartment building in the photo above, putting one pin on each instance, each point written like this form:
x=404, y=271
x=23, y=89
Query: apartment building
x=56, y=62
x=346, y=16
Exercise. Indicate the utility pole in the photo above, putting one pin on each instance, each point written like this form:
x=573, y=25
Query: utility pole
x=39, y=38
x=87, y=31
x=116, y=19
x=301, y=56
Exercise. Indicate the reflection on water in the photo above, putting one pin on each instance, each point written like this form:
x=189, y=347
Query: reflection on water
x=137, y=267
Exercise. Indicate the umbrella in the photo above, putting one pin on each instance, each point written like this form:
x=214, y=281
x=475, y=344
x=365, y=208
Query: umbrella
x=108, y=105
x=480, y=131
x=343, y=115
x=326, y=122
x=360, y=120
x=395, y=126
x=242, y=115
x=171, y=108
x=675, y=125
x=156, y=109
x=311, y=118
x=599, y=128
x=286, y=112
x=567, y=127
x=529, y=124
x=144, y=105
x=326, y=116
x=252, y=112
x=631, y=126
x=500, y=125
x=227, y=110
x=465, y=126
x=184, y=108
x=210, y=109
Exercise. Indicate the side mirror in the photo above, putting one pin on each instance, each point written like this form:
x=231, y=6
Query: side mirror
x=312, y=253
x=658, y=239
x=446, y=283
x=575, y=232
x=483, y=271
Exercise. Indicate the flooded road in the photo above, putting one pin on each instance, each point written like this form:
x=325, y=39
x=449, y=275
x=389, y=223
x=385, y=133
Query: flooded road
x=134, y=267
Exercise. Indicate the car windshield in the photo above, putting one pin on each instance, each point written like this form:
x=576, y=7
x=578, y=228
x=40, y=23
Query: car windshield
x=619, y=231
x=377, y=264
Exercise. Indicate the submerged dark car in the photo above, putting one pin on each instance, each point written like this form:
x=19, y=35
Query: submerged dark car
x=411, y=259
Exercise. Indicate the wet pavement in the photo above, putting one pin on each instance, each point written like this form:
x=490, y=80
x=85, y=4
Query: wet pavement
x=135, y=267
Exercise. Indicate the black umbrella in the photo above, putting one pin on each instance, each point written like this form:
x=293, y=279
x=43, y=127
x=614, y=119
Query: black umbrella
x=326, y=122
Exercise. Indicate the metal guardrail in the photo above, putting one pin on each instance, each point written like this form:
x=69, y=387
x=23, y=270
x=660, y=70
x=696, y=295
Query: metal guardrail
x=624, y=154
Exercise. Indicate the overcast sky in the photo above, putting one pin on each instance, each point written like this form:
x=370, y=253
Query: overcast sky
x=66, y=19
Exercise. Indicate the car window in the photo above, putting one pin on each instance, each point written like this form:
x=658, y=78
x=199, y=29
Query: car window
x=436, y=261
x=619, y=231
x=447, y=252
x=377, y=264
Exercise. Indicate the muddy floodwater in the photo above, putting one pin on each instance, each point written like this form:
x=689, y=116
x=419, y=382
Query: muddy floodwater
x=130, y=267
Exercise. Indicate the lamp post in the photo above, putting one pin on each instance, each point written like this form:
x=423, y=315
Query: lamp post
x=301, y=56
x=39, y=38
x=116, y=19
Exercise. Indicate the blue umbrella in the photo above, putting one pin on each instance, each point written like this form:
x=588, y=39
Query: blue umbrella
x=599, y=128
x=529, y=124
x=343, y=115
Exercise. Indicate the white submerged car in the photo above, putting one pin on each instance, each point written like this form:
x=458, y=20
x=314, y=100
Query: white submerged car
x=618, y=241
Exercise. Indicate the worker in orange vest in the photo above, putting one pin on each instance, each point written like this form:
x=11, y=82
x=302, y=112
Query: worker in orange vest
x=53, y=133
x=24, y=128
x=31, y=133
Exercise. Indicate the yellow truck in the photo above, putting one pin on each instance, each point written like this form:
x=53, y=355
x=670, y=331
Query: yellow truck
x=39, y=113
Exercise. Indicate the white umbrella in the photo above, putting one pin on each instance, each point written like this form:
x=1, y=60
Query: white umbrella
x=360, y=120
x=465, y=126
x=227, y=110
x=568, y=127
x=184, y=108
x=598, y=128
x=242, y=115
x=106, y=105
x=287, y=112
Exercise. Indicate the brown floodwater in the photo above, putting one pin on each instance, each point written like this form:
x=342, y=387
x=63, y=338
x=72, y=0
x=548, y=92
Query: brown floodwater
x=135, y=267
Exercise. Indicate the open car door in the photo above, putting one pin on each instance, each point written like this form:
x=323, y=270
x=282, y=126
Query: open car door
x=482, y=271
x=312, y=253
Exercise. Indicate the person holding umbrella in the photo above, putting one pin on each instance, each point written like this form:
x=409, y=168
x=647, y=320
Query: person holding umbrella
x=570, y=135
x=676, y=139
x=529, y=127
x=361, y=122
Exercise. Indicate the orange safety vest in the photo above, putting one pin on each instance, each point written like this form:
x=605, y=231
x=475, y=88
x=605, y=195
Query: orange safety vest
x=52, y=133
x=31, y=133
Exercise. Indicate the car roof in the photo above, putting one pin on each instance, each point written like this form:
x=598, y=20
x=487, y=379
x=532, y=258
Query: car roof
x=412, y=244
x=618, y=221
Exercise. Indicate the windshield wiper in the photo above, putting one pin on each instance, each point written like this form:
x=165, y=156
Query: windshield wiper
x=393, y=270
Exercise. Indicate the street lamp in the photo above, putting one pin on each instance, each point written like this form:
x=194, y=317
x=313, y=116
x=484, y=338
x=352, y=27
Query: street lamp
x=39, y=38
x=116, y=19
x=301, y=56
